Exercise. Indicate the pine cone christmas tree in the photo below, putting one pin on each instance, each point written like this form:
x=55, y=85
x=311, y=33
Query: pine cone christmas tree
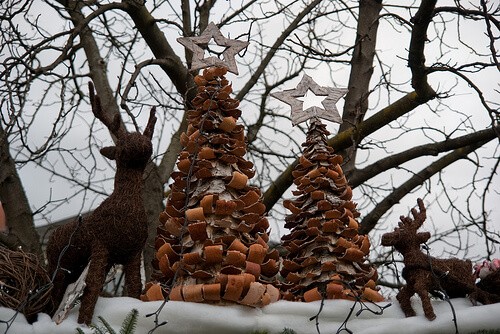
x=212, y=241
x=326, y=256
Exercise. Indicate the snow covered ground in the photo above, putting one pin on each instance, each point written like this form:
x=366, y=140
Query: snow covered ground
x=184, y=317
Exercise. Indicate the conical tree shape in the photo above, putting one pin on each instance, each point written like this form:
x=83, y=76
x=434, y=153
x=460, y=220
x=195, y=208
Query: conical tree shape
x=212, y=240
x=326, y=255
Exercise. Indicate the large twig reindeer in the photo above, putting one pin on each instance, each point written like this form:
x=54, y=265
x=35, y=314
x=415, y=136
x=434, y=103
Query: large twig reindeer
x=115, y=233
x=425, y=274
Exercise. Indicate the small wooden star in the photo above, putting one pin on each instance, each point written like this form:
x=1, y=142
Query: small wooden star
x=198, y=45
x=330, y=112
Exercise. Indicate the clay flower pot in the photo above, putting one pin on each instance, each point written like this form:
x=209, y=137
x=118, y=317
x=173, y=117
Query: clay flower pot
x=153, y=293
x=238, y=181
x=195, y=214
x=227, y=124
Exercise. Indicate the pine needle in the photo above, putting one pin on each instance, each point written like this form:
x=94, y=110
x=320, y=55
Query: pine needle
x=130, y=322
x=107, y=326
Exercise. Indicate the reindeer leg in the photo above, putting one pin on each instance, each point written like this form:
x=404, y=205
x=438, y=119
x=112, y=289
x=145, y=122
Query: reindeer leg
x=421, y=289
x=133, y=282
x=94, y=282
x=403, y=298
x=59, y=287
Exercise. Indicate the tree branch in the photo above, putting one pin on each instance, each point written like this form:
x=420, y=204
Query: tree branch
x=360, y=176
x=371, y=219
x=161, y=48
x=272, y=51
x=96, y=63
x=416, y=57
x=494, y=114
x=175, y=70
x=469, y=13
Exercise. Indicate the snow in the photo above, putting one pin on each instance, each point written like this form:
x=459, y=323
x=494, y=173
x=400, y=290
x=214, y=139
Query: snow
x=184, y=317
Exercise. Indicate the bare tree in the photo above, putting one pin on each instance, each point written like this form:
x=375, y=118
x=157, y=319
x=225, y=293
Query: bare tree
x=420, y=109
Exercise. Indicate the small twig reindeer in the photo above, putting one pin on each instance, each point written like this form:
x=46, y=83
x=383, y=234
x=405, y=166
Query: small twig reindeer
x=115, y=233
x=425, y=274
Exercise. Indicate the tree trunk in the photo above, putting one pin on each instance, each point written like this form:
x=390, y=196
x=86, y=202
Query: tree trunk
x=153, y=204
x=356, y=100
x=17, y=209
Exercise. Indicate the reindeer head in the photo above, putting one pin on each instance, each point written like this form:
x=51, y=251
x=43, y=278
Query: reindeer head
x=405, y=236
x=132, y=150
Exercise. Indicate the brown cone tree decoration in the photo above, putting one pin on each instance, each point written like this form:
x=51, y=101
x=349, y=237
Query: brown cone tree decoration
x=211, y=244
x=326, y=255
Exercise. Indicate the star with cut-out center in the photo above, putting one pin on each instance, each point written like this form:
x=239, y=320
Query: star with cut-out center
x=198, y=44
x=330, y=112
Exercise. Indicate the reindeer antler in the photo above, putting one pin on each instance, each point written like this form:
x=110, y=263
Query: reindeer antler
x=112, y=125
x=418, y=217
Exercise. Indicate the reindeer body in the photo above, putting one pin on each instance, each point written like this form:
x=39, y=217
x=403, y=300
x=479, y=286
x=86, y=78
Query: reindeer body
x=423, y=273
x=115, y=233
x=431, y=275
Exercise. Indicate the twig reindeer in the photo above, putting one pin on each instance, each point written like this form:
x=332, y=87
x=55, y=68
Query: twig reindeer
x=425, y=274
x=115, y=233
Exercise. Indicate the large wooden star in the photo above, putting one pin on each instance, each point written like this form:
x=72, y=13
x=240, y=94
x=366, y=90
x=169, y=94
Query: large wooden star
x=198, y=44
x=330, y=112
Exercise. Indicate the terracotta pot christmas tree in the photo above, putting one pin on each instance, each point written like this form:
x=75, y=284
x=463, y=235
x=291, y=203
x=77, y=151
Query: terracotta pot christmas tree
x=212, y=241
x=326, y=255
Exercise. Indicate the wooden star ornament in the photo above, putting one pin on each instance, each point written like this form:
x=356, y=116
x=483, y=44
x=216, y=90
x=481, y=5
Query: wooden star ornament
x=198, y=44
x=330, y=112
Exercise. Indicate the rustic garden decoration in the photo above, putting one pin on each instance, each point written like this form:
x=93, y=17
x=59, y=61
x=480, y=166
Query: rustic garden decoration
x=425, y=274
x=24, y=284
x=115, y=233
x=488, y=274
x=198, y=45
x=326, y=255
x=212, y=239
x=299, y=115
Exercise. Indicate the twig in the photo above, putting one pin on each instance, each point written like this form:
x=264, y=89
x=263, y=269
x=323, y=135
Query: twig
x=357, y=299
x=316, y=317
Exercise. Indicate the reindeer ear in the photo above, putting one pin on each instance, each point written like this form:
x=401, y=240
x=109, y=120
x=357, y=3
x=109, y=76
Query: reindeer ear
x=109, y=152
